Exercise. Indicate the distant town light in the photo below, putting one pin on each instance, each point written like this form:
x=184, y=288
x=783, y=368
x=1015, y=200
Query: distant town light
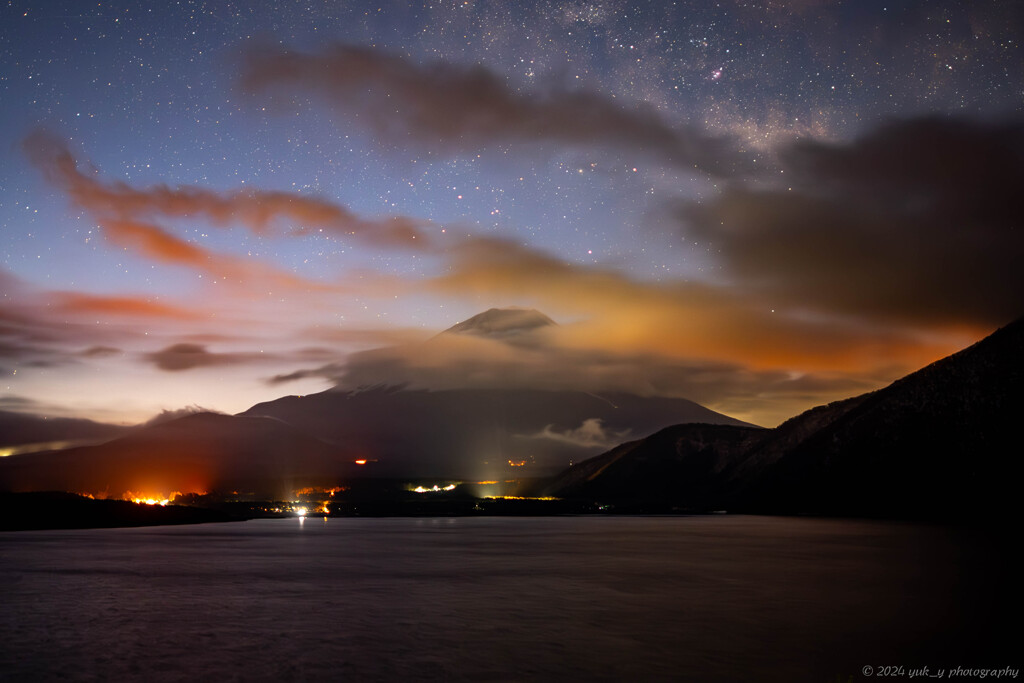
x=434, y=489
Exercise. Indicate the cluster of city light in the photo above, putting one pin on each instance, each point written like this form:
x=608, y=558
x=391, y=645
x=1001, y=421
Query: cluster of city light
x=435, y=489
x=321, y=509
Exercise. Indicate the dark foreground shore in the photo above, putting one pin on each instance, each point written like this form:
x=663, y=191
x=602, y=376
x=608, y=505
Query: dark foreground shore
x=58, y=510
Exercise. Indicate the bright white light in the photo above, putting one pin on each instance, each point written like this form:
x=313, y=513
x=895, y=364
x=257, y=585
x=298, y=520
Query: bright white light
x=434, y=489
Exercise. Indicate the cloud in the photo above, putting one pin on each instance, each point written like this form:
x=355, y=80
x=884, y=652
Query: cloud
x=344, y=341
x=916, y=222
x=332, y=372
x=460, y=108
x=554, y=359
x=33, y=337
x=888, y=252
x=723, y=347
x=19, y=403
x=154, y=242
x=80, y=303
x=365, y=337
x=127, y=214
x=169, y=415
x=14, y=350
x=675, y=319
x=157, y=244
x=590, y=434
x=100, y=352
x=185, y=356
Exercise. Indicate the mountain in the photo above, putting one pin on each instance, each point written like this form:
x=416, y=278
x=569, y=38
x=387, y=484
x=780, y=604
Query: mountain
x=491, y=424
x=195, y=453
x=294, y=442
x=477, y=433
x=684, y=465
x=490, y=411
x=21, y=432
x=938, y=443
x=502, y=322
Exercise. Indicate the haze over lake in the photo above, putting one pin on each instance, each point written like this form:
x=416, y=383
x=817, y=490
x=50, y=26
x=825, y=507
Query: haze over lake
x=565, y=598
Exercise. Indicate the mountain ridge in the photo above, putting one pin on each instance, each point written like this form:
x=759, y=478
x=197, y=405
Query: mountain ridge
x=931, y=444
x=317, y=439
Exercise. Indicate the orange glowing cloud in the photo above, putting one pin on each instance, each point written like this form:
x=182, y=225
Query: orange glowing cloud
x=124, y=208
x=128, y=217
x=75, y=302
x=679, y=319
x=154, y=242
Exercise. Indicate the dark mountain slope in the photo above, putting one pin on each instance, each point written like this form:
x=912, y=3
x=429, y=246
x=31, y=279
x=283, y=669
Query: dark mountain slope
x=938, y=443
x=476, y=432
x=199, y=452
x=680, y=465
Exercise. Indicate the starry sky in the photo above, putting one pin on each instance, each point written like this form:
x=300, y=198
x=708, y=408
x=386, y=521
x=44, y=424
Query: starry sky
x=760, y=206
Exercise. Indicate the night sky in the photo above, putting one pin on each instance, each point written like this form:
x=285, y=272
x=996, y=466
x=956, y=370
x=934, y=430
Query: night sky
x=759, y=206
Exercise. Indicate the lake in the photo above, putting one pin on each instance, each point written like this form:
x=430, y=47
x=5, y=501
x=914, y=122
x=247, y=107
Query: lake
x=715, y=598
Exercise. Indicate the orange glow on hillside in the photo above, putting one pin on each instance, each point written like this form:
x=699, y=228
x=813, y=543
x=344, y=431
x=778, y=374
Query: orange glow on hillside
x=151, y=501
x=319, y=491
x=153, y=498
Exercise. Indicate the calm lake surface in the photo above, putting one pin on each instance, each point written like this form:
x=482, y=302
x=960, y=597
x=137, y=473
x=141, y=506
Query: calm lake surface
x=719, y=598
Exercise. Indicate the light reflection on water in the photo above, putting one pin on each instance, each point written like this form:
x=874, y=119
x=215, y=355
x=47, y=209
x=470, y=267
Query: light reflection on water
x=558, y=598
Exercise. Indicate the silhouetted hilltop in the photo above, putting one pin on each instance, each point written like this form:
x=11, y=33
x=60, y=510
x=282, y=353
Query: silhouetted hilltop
x=682, y=465
x=942, y=441
x=937, y=443
x=59, y=510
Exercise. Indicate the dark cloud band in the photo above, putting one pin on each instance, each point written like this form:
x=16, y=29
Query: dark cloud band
x=458, y=108
x=918, y=222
